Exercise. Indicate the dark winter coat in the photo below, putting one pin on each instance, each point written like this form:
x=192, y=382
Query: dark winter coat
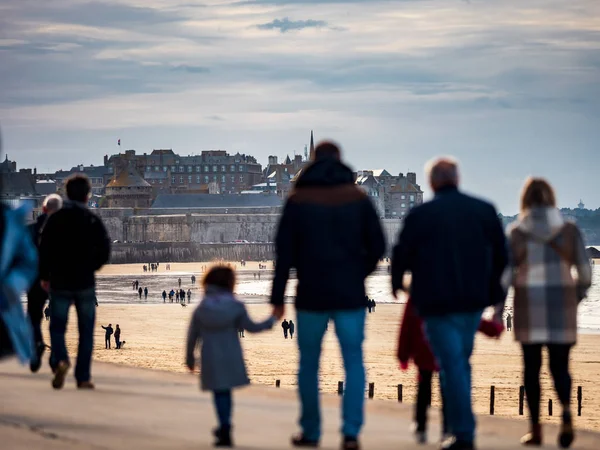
x=455, y=249
x=74, y=246
x=36, y=229
x=330, y=233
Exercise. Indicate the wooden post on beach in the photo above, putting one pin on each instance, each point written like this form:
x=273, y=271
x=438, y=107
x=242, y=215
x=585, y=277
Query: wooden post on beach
x=277, y=383
x=492, y=399
x=399, y=393
x=371, y=390
x=340, y=388
x=550, y=407
x=579, y=400
x=521, y=398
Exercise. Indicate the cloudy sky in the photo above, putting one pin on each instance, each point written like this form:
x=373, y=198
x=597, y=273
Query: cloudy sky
x=511, y=88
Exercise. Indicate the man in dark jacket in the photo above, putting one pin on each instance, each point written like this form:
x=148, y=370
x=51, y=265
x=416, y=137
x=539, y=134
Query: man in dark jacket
x=36, y=297
x=330, y=233
x=74, y=246
x=455, y=249
x=285, y=326
x=108, y=332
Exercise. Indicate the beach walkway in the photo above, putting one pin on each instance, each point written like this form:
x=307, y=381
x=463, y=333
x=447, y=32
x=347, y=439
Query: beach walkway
x=144, y=409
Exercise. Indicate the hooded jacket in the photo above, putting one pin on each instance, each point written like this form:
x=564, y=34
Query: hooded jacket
x=543, y=251
x=215, y=325
x=330, y=233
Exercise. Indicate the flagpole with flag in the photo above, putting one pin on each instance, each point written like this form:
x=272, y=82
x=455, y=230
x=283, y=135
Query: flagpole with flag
x=119, y=142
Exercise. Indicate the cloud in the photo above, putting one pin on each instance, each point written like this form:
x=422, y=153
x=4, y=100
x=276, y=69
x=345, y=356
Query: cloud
x=191, y=69
x=284, y=25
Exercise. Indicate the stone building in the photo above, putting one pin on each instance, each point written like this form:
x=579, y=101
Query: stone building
x=128, y=190
x=170, y=173
x=99, y=176
x=8, y=166
x=367, y=182
x=400, y=193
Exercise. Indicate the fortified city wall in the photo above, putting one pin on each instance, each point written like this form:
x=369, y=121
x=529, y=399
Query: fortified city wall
x=197, y=236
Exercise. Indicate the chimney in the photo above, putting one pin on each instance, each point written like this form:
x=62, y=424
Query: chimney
x=412, y=177
x=35, y=170
x=272, y=160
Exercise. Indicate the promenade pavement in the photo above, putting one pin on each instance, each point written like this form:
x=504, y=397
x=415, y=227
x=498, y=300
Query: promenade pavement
x=143, y=409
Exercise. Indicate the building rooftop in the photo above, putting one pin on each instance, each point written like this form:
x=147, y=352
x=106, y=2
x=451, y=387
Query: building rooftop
x=128, y=178
x=17, y=184
x=216, y=201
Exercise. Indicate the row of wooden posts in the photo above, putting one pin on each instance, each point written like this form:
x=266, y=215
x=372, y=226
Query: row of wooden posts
x=492, y=396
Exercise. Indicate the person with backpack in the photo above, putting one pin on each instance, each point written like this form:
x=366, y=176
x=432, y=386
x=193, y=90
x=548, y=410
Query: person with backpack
x=544, y=248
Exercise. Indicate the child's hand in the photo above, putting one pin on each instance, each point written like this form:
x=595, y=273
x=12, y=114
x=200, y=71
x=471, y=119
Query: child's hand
x=403, y=365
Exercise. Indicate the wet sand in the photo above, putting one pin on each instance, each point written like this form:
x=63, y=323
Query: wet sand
x=155, y=338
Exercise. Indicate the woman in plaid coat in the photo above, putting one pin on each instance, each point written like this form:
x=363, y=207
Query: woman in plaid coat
x=544, y=248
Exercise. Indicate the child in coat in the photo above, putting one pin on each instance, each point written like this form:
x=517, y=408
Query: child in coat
x=413, y=344
x=215, y=325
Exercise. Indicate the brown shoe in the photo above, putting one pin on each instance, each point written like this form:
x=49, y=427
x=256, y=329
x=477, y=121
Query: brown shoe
x=59, y=375
x=85, y=385
x=534, y=437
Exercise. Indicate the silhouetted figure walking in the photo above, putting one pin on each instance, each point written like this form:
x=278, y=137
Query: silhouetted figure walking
x=292, y=328
x=286, y=327
x=164, y=296
x=508, y=322
x=146, y=293
x=140, y=292
x=179, y=281
x=189, y=295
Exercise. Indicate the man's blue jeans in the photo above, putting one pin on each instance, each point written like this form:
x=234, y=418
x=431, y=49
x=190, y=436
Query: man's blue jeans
x=350, y=331
x=451, y=338
x=85, y=305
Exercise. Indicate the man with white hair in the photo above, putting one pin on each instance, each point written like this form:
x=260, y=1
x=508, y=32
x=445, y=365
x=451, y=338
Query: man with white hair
x=455, y=249
x=36, y=297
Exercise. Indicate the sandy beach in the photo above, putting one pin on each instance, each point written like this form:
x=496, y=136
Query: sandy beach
x=155, y=338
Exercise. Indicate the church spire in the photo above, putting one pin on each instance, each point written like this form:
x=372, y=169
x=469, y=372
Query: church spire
x=312, y=146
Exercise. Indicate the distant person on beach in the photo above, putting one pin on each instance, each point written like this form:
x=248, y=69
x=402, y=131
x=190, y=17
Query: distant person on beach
x=47, y=312
x=286, y=327
x=164, y=296
x=450, y=293
x=179, y=281
x=74, y=246
x=193, y=280
x=182, y=295
x=137, y=284
x=146, y=293
x=368, y=300
x=413, y=345
x=117, y=337
x=292, y=328
x=508, y=322
x=171, y=295
x=189, y=295
x=140, y=292
x=544, y=248
x=373, y=304
x=330, y=233
x=36, y=296
x=214, y=324
x=133, y=285
x=108, y=333
x=177, y=296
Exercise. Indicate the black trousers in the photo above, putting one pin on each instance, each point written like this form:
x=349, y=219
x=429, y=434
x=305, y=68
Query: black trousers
x=107, y=341
x=36, y=299
x=559, y=368
x=424, y=401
